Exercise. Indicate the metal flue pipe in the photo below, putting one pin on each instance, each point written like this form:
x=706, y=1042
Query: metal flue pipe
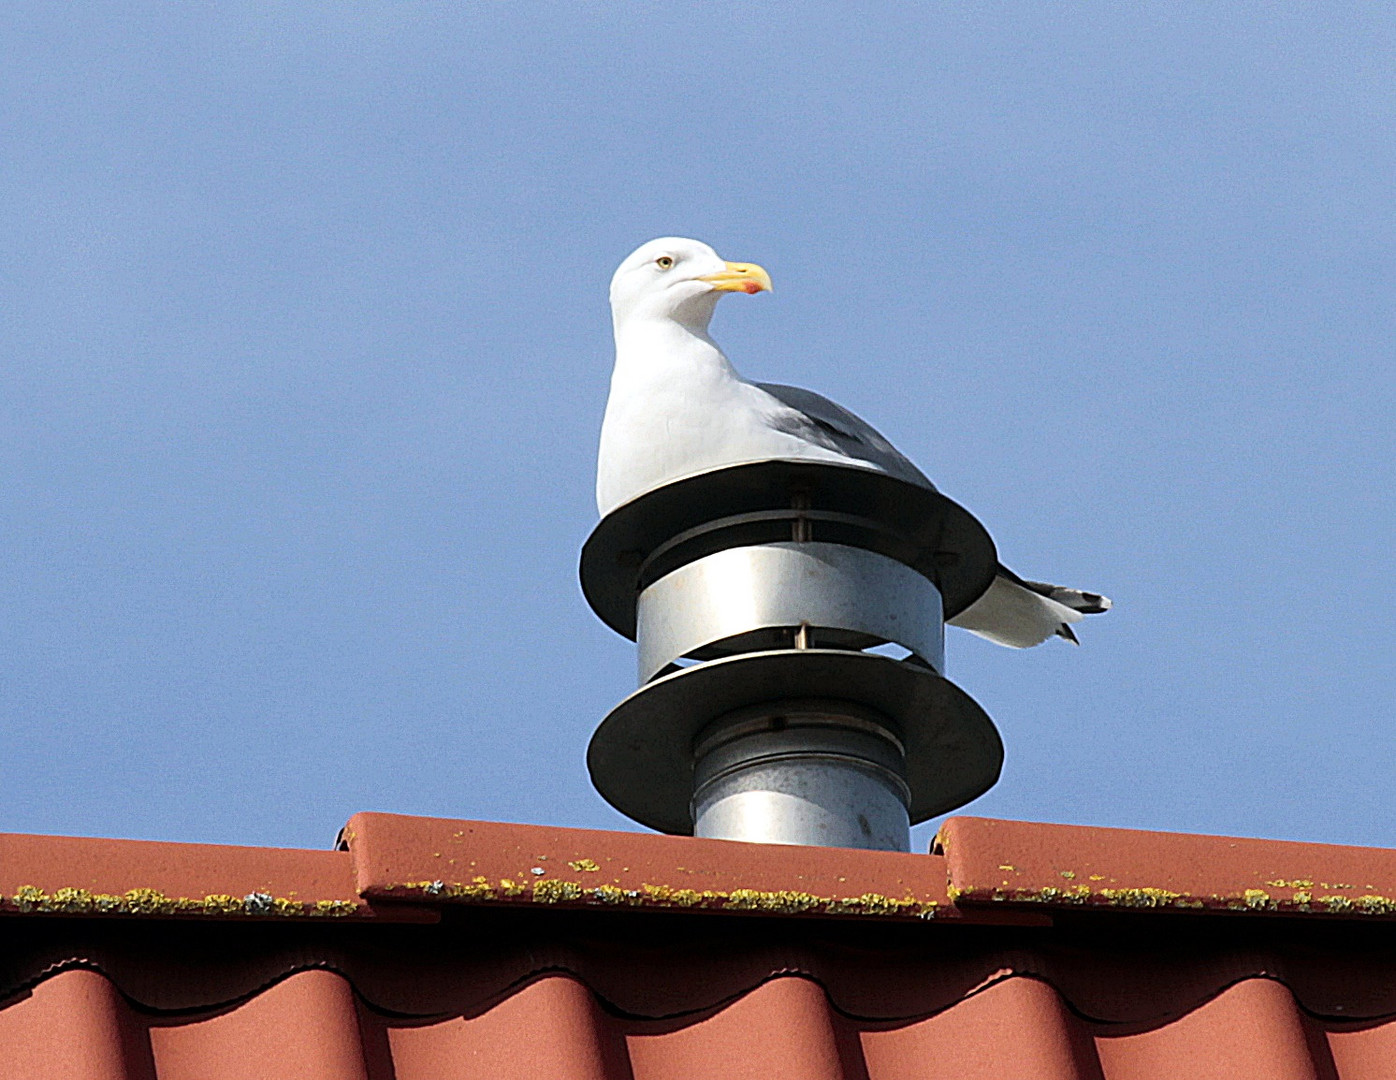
x=803, y=773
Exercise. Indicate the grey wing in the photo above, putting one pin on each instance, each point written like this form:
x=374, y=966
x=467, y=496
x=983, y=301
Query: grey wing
x=818, y=420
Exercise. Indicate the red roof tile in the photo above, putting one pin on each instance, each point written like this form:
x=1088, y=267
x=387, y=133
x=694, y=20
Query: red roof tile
x=135, y=877
x=1022, y=863
x=647, y=957
x=441, y=861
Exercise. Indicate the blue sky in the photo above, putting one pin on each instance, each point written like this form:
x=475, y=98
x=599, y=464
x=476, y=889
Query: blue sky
x=304, y=348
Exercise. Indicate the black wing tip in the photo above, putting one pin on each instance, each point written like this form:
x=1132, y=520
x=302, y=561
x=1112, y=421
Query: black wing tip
x=1087, y=603
x=1065, y=631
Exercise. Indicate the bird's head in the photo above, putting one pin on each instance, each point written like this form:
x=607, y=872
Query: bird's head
x=681, y=280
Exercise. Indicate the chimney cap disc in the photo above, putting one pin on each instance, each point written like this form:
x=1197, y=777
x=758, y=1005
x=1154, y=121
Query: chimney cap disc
x=641, y=757
x=929, y=532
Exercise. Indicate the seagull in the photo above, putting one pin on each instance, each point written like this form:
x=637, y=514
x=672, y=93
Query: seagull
x=678, y=407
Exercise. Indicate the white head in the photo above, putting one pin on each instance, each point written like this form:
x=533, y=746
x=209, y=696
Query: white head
x=680, y=280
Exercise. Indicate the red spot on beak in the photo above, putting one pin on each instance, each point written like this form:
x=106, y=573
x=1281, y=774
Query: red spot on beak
x=751, y=288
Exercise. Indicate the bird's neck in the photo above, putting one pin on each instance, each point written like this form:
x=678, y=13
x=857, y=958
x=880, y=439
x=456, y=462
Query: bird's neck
x=664, y=348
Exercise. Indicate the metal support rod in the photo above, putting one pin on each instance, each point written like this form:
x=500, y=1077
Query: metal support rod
x=801, y=530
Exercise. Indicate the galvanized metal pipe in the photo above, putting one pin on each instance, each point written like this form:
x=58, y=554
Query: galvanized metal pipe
x=802, y=772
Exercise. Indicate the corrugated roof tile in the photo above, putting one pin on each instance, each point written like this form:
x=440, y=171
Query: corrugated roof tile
x=783, y=1029
x=552, y=1026
x=1015, y=1028
x=1250, y=1029
x=74, y=1024
x=305, y=1026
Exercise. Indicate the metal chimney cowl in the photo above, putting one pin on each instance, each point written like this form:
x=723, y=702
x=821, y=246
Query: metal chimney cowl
x=752, y=593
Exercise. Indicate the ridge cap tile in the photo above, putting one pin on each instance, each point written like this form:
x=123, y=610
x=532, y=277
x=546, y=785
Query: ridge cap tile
x=446, y=861
x=1037, y=866
x=85, y=876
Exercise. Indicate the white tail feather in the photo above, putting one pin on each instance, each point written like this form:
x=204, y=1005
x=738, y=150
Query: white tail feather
x=1020, y=617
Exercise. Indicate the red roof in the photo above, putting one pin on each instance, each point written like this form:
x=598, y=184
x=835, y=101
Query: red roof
x=448, y=949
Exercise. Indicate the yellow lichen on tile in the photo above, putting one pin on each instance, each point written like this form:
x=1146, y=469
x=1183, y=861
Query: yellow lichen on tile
x=614, y=894
x=1258, y=900
x=876, y=904
x=334, y=908
x=584, y=866
x=146, y=901
x=669, y=896
x=551, y=892
x=782, y=901
x=1142, y=898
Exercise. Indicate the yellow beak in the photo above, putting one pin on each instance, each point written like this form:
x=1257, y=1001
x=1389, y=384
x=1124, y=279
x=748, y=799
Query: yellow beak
x=740, y=277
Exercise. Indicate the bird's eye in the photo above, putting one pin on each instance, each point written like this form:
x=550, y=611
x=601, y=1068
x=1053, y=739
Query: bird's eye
x=664, y=262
